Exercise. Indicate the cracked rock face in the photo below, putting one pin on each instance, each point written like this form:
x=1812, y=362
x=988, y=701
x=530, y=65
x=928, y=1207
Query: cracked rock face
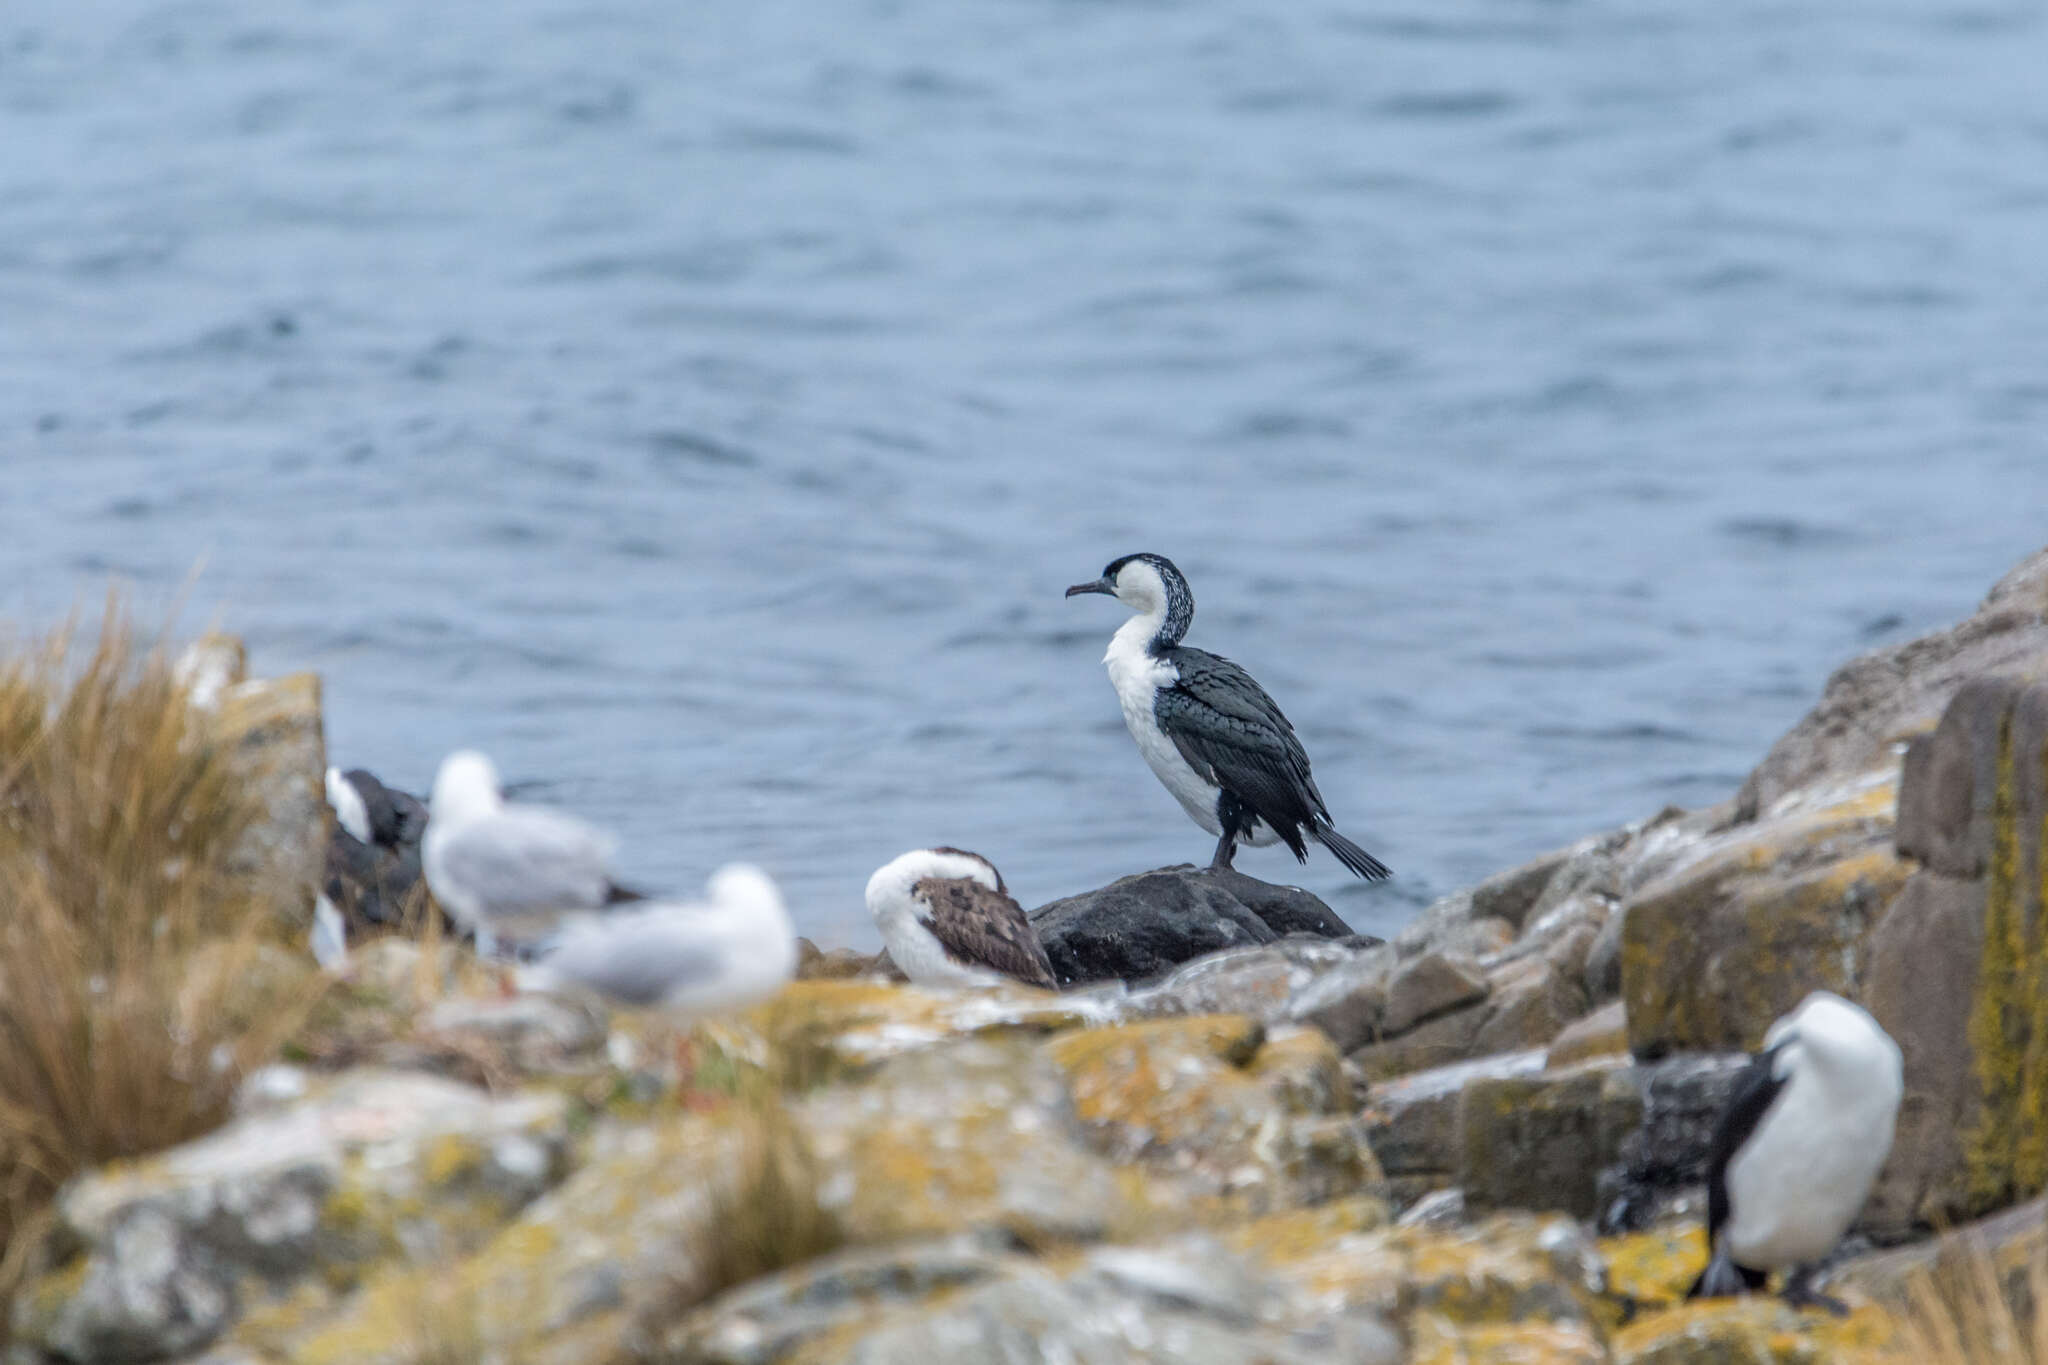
x=340, y=1175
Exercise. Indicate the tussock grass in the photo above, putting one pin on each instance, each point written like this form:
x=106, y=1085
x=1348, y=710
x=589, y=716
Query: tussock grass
x=770, y=1217
x=1978, y=1308
x=138, y=981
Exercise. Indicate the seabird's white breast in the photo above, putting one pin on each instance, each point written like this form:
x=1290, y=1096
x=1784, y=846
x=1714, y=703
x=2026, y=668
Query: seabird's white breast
x=1138, y=678
x=1796, y=1186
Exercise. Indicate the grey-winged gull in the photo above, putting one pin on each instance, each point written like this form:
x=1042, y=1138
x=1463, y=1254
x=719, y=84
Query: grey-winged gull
x=728, y=951
x=510, y=869
x=948, y=920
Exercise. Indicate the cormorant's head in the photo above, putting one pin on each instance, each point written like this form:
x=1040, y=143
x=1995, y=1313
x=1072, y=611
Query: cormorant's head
x=1145, y=583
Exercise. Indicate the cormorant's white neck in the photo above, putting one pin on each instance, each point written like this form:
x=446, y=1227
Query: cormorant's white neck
x=1145, y=633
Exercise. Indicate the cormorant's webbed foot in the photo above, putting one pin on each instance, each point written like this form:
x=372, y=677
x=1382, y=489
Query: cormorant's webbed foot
x=1800, y=1293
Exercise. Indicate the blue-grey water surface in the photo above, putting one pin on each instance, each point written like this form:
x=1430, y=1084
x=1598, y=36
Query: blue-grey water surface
x=702, y=406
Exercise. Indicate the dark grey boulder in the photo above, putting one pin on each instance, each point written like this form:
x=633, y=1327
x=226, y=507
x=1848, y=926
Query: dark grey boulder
x=1140, y=926
x=1666, y=1157
x=373, y=886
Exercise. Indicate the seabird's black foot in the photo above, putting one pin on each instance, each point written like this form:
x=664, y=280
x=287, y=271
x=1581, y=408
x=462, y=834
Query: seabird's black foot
x=1226, y=849
x=1800, y=1293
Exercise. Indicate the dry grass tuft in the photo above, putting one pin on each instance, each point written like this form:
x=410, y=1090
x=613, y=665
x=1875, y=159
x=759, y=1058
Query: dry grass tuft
x=769, y=1218
x=137, y=981
x=1979, y=1308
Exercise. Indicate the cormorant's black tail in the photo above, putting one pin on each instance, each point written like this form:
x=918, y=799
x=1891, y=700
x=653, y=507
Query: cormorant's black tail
x=1350, y=854
x=614, y=894
x=1723, y=1279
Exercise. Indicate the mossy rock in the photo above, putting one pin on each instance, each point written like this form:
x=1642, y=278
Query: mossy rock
x=1657, y=1267
x=1539, y=1142
x=1755, y=1331
x=1215, y=1100
x=1438, y=1342
x=1715, y=951
x=1507, y=1269
x=824, y=1030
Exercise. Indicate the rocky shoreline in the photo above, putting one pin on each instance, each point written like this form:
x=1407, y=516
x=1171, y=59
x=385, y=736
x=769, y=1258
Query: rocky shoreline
x=1239, y=1134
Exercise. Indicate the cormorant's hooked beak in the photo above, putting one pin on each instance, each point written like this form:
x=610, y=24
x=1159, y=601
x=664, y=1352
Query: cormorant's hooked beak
x=1101, y=585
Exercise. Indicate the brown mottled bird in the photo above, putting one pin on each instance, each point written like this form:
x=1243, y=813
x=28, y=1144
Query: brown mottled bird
x=948, y=920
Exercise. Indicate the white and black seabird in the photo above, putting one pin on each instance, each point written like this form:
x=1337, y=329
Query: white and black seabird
x=734, y=948
x=1210, y=733
x=510, y=869
x=1798, y=1147
x=948, y=920
x=372, y=813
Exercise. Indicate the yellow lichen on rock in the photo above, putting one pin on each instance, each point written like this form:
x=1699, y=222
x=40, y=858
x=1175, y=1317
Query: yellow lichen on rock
x=2007, y=1151
x=1212, y=1099
x=1509, y=1269
x=1713, y=953
x=1653, y=1268
x=1280, y=1239
x=823, y=1030
x=1435, y=1341
x=1755, y=1331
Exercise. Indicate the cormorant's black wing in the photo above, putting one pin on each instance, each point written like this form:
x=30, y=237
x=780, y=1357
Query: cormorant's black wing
x=1755, y=1088
x=1234, y=735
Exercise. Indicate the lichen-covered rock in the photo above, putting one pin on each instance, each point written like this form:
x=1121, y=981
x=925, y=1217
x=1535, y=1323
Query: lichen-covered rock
x=1143, y=925
x=625, y=1240
x=1215, y=1100
x=980, y=1134
x=1437, y=1342
x=1603, y=1033
x=1873, y=702
x=1958, y=970
x=1925, y=955
x=1754, y=1331
x=1660, y=1166
x=1187, y=1303
x=1504, y=1269
x=536, y=1033
x=1654, y=1269
x=2013, y=1242
x=174, y=1246
x=763, y=1321
x=1260, y=981
x=838, y=964
x=827, y=1029
x=280, y=748
x=1530, y=1000
x=1538, y=1142
x=1412, y=1122
x=1348, y=1002
x=1721, y=946
x=1442, y=1041
x=1427, y=986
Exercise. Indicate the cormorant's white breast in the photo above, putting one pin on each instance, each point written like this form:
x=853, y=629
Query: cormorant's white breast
x=1798, y=1147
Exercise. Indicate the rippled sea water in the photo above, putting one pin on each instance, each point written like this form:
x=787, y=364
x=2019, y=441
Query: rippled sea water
x=702, y=407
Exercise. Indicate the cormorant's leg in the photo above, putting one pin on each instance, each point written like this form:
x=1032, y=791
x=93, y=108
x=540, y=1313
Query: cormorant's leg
x=1230, y=813
x=1800, y=1293
x=1226, y=849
